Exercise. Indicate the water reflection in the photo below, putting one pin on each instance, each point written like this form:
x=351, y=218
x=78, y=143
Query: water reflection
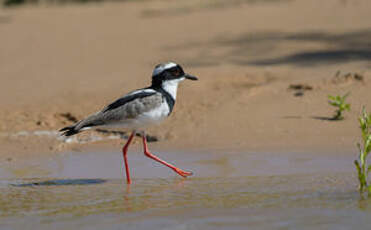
x=170, y=199
x=88, y=196
x=261, y=190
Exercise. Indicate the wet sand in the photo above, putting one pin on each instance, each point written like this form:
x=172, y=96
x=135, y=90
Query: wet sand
x=235, y=190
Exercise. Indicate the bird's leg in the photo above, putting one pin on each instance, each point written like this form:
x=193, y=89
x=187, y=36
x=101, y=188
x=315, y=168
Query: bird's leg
x=125, y=152
x=150, y=155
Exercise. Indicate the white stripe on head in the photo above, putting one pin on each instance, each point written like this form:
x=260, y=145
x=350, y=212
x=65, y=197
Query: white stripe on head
x=158, y=69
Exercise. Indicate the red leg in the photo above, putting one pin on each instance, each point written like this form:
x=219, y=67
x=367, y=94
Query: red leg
x=125, y=152
x=150, y=155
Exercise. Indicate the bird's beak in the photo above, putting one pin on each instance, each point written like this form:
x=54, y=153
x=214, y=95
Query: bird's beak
x=190, y=77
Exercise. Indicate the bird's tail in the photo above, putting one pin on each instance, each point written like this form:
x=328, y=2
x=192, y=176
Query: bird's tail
x=69, y=130
x=87, y=123
x=74, y=129
x=80, y=126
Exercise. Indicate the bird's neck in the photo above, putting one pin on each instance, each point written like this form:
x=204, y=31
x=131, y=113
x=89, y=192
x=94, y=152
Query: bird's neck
x=171, y=87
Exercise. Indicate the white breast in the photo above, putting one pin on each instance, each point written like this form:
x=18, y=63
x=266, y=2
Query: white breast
x=155, y=115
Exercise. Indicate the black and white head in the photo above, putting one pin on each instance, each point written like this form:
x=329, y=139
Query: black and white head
x=168, y=75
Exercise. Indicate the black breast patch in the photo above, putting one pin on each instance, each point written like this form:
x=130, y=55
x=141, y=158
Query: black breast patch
x=169, y=99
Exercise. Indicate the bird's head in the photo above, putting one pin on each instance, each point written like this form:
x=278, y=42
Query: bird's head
x=169, y=73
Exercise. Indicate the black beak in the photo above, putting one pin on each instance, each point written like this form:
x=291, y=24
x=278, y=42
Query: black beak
x=190, y=77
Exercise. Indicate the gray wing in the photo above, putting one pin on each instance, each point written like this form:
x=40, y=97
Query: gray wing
x=125, y=108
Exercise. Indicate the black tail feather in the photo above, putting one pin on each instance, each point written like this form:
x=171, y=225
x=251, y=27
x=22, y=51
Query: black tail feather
x=69, y=131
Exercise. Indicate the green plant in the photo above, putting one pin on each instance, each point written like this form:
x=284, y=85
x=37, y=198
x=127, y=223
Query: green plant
x=361, y=164
x=339, y=103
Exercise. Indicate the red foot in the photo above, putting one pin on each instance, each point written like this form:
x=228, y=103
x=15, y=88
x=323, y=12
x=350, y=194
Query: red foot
x=183, y=173
x=150, y=155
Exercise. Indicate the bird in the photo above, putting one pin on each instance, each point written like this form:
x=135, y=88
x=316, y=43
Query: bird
x=139, y=109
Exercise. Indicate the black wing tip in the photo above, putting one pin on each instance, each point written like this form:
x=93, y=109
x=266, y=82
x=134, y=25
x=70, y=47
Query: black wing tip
x=68, y=131
x=65, y=128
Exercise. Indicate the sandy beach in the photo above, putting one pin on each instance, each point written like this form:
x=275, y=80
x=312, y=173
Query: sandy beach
x=59, y=63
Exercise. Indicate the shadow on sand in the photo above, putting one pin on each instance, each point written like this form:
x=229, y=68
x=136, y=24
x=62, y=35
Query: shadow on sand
x=267, y=48
x=325, y=118
x=62, y=182
x=322, y=118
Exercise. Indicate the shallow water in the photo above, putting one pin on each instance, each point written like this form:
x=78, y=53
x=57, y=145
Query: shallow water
x=228, y=191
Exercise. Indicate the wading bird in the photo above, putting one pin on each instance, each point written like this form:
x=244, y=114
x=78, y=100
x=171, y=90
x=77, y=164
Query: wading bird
x=139, y=109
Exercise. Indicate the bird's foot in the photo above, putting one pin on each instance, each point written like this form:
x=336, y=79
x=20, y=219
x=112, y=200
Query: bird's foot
x=183, y=173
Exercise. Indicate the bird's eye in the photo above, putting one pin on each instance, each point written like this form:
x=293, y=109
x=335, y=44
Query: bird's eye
x=176, y=72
